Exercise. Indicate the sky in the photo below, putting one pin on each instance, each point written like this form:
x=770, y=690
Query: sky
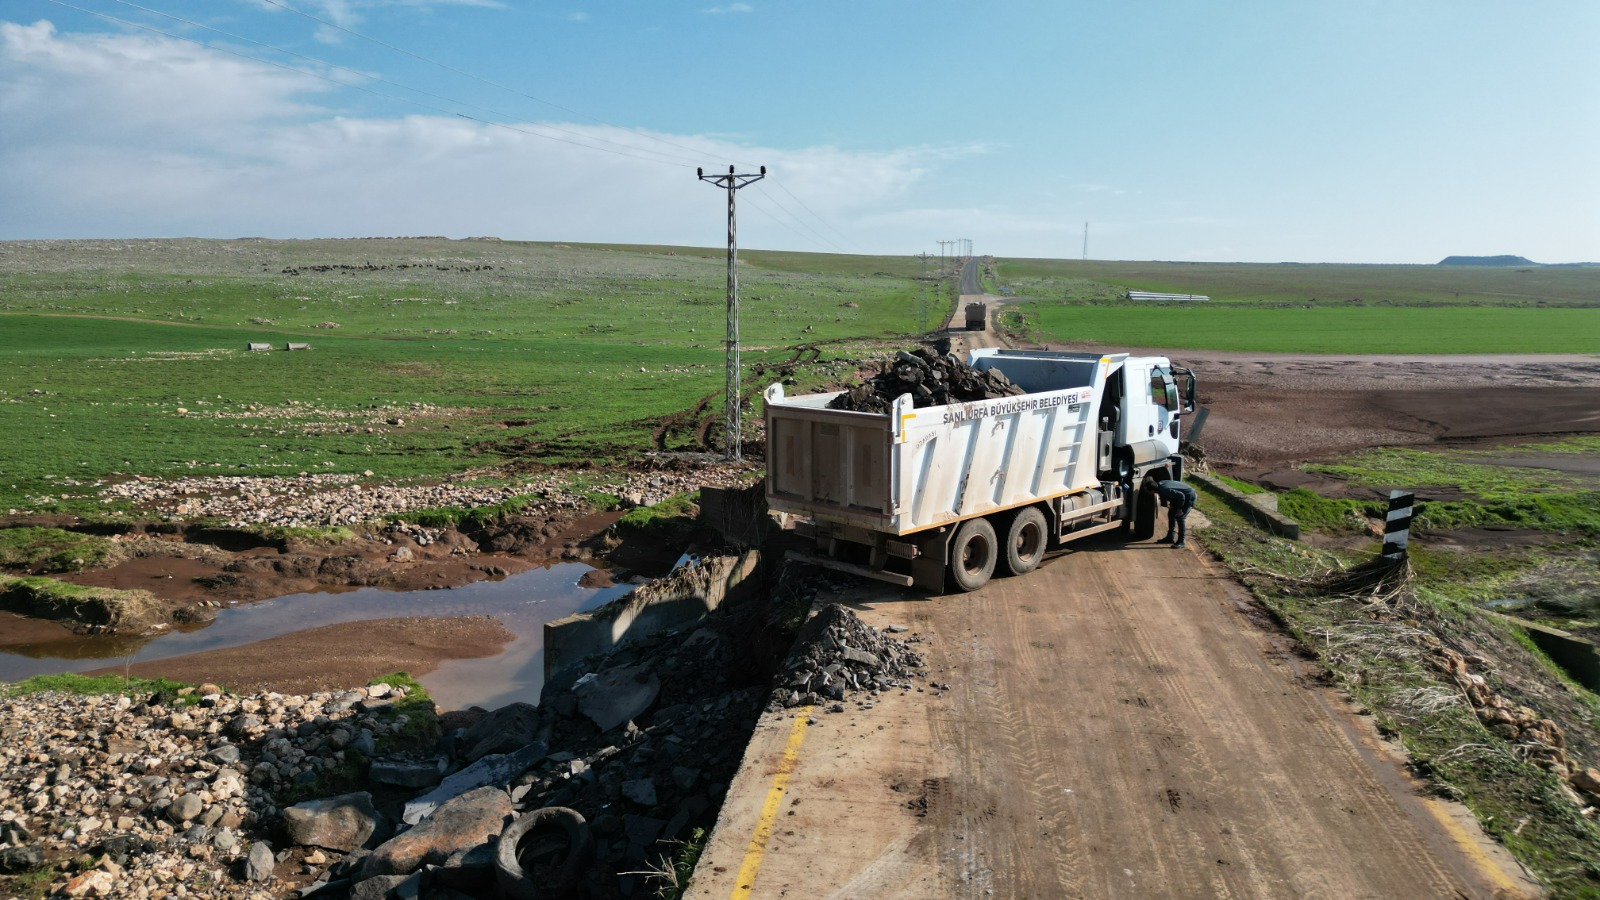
x=1247, y=130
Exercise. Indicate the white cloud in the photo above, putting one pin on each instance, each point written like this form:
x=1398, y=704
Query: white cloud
x=730, y=8
x=117, y=135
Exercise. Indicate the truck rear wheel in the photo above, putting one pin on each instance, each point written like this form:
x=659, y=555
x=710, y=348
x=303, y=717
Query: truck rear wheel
x=1026, y=540
x=973, y=554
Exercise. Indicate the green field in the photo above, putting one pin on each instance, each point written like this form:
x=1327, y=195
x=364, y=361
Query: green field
x=1308, y=308
x=1346, y=329
x=130, y=357
x=433, y=357
x=1295, y=284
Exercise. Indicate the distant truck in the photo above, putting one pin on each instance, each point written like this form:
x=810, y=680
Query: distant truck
x=977, y=316
x=963, y=491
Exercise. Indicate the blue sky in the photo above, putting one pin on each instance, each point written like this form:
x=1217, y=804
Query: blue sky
x=1244, y=131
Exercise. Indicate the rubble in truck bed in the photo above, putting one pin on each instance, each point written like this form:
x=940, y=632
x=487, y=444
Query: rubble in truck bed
x=930, y=378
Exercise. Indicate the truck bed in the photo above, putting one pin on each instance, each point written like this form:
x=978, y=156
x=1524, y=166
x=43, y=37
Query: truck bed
x=911, y=469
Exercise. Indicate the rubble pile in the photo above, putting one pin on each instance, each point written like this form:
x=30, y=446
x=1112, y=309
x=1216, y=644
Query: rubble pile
x=931, y=380
x=837, y=655
x=125, y=796
x=172, y=789
x=313, y=499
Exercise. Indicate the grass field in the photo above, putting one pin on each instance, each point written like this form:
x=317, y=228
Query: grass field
x=1347, y=329
x=1295, y=284
x=430, y=357
x=125, y=358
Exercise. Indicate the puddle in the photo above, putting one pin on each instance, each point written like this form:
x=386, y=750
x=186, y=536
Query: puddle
x=523, y=603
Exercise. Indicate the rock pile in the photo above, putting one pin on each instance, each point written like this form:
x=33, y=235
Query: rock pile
x=172, y=789
x=838, y=655
x=136, y=796
x=320, y=499
x=931, y=380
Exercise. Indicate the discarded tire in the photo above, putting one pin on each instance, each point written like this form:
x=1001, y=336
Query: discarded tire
x=543, y=854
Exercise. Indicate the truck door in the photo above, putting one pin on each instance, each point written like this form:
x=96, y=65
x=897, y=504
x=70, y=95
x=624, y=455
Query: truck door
x=1151, y=406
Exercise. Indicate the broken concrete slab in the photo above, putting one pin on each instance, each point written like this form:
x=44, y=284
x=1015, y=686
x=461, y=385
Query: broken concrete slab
x=497, y=770
x=617, y=695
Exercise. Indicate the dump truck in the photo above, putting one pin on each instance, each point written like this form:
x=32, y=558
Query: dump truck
x=977, y=316
x=962, y=491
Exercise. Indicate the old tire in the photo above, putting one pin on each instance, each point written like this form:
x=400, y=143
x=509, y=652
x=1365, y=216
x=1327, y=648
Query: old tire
x=973, y=554
x=544, y=854
x=1145, y=511
x=1027, y=537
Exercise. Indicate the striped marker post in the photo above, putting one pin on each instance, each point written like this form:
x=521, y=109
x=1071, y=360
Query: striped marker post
x=1397, y=526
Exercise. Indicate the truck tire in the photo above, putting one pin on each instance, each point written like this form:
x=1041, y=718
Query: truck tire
x=1027, y=537
x=1145, y=511
x=973, y=554
x=544, y=854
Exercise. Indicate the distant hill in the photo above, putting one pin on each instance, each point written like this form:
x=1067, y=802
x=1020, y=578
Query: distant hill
x=1487, y=261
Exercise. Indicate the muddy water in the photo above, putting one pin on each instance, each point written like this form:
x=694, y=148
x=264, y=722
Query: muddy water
x=523, y=602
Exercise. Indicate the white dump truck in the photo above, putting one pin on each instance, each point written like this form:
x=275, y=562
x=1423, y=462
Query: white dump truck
x=969, y=489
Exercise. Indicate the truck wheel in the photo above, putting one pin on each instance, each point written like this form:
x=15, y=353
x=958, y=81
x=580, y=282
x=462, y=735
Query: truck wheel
x=973, y=554
x=1145, y=510
x=1026, y=540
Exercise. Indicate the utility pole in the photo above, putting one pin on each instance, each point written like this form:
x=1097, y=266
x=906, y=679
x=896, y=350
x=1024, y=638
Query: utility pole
x=922, y=296
x=1086, y=242
x=732, y=182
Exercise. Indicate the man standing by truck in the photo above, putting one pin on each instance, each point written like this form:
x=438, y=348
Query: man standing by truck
x=1178, y=498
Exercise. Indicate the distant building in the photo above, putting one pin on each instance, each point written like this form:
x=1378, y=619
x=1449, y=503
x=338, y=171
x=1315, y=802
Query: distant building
x=1168, y=298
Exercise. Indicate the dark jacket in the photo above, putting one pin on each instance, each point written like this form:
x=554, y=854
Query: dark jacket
x=1176, y=494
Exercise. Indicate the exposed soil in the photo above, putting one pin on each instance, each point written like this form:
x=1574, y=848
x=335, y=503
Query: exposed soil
x=333, y=657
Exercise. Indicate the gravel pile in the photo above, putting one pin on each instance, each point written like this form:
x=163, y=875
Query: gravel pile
x=838, y=656
x=931, y=380
x=171, y=794
x=320, y=499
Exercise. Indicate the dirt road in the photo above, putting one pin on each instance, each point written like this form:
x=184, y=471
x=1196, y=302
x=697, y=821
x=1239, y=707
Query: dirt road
x=1120, y=723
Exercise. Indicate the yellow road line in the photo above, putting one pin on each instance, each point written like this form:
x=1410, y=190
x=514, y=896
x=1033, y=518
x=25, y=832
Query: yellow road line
x=1504, y=884
x=769, y=809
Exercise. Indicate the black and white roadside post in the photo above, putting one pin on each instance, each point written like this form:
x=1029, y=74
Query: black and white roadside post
x=1397, y=527
x=732, y=182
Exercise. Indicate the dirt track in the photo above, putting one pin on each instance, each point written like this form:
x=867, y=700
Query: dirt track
x=1120, y=725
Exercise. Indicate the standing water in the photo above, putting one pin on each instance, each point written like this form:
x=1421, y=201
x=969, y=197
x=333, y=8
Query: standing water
x=522, y=602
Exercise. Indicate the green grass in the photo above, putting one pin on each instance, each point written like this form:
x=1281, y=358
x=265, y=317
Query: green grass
x=671, y=513
x=1498, y=492
x=1395, y=330
x=40, y=596
x=87, y=685
x=52, y=550
x=1292, y=284
x=560, y=355
x=1368, y=647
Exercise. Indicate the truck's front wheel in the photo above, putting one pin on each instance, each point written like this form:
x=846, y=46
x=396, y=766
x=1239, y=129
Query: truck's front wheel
x=973, y=554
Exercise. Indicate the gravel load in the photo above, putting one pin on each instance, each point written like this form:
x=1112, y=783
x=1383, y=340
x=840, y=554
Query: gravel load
x=930, y=378
x=837, y=655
